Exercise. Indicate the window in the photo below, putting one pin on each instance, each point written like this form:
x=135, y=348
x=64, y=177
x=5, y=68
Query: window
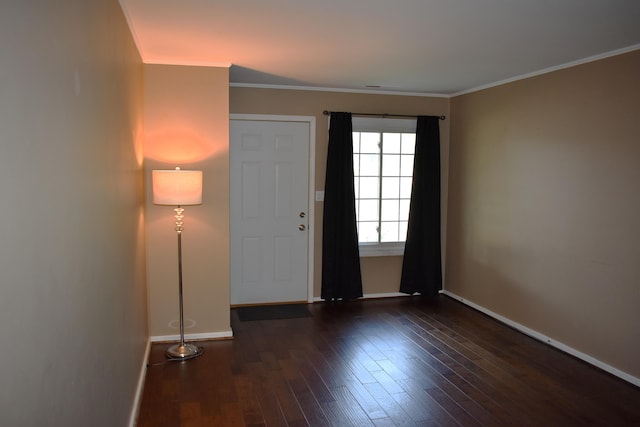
x=383, y=168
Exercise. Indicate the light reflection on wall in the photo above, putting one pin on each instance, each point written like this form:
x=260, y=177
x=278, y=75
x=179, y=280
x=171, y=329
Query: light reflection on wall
x=179, y=145
x=138, y=142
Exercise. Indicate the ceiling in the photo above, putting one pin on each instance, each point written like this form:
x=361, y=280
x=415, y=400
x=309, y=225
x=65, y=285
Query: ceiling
x=413, y=46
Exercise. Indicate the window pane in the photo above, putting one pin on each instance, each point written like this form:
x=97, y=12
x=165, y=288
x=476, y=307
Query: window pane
x=390, y=188
x=402, y=232
x=369, y=164
x=383, y=169
x=389, y=232
x=390, y=210
x=404, y=209
x=368, y=232
x=356, y=142
x=408, y=143
x=369, y=188
x=368, y=210
x=406, y=165
x=369, y=142
x=390, y=165
x=405, y=187
x=391, y=143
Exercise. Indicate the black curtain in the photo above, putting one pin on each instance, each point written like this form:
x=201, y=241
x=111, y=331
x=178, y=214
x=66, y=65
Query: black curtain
x=422, y=265
x=341, y=276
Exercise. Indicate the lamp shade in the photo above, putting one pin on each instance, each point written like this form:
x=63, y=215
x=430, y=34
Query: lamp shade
x=177, y=187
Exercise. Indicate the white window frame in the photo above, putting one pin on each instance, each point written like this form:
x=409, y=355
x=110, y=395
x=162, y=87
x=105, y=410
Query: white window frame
x=380, y=124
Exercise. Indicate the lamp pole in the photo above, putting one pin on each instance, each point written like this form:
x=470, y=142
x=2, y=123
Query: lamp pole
x=181, y=351
x=179, y=188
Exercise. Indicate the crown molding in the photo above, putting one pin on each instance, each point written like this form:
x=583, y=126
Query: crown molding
x=153, y=61
x=550, y=69
x=343, y=90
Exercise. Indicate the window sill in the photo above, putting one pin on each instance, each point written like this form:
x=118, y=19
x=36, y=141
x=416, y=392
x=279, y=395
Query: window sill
x=381, y=250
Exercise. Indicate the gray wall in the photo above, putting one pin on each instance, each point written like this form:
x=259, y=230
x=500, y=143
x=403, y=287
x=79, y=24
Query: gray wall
x=72, y=274
x=544, y=206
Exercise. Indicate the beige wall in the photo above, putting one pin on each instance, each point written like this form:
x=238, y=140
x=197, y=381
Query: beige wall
x=187, y=125
x=379, y=274
x=544, y=213
x=73, y=318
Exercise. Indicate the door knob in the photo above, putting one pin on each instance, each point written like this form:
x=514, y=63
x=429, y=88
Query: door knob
x=301, y=227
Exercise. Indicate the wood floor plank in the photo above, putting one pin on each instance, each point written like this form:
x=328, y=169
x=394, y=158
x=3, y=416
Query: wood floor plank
x=286, y=399
x=388, y=404
x=308, y=403
x=190, y=414
x=418, y=396
x=387, y=382
x=317, y=383
x=452, y=367
x=270, y=406
x=452, y=407
x=446, y=366
x=392, y=362
x=370, y=406
x=351, y=407
x=249, y=404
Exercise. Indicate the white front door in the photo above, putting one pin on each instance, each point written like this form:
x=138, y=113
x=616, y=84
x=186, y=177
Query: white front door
x=269, y=207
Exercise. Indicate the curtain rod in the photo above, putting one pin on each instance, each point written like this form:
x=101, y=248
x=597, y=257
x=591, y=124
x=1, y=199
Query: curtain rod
x=383, y=115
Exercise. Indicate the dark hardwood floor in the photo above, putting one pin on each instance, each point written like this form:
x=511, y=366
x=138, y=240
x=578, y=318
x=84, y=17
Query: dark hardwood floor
x=392, y=362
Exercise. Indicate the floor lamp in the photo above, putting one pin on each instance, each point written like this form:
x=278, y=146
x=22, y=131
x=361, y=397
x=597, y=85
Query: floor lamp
x=178, y=188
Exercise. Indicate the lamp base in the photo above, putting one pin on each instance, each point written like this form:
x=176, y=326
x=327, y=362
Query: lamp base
x=183, y=352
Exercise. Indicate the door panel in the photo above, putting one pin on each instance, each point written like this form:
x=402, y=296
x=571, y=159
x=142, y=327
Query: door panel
x=269, y=189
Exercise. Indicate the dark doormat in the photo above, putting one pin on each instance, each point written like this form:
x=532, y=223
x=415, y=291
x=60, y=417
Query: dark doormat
x=272, y=312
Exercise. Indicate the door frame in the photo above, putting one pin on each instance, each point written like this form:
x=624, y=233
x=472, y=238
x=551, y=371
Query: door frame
x=311, y=121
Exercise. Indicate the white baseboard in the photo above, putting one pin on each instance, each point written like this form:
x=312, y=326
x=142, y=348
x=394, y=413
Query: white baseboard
x=194, y=337
x=541, y=337
x=385, y=295
x=133, y=418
